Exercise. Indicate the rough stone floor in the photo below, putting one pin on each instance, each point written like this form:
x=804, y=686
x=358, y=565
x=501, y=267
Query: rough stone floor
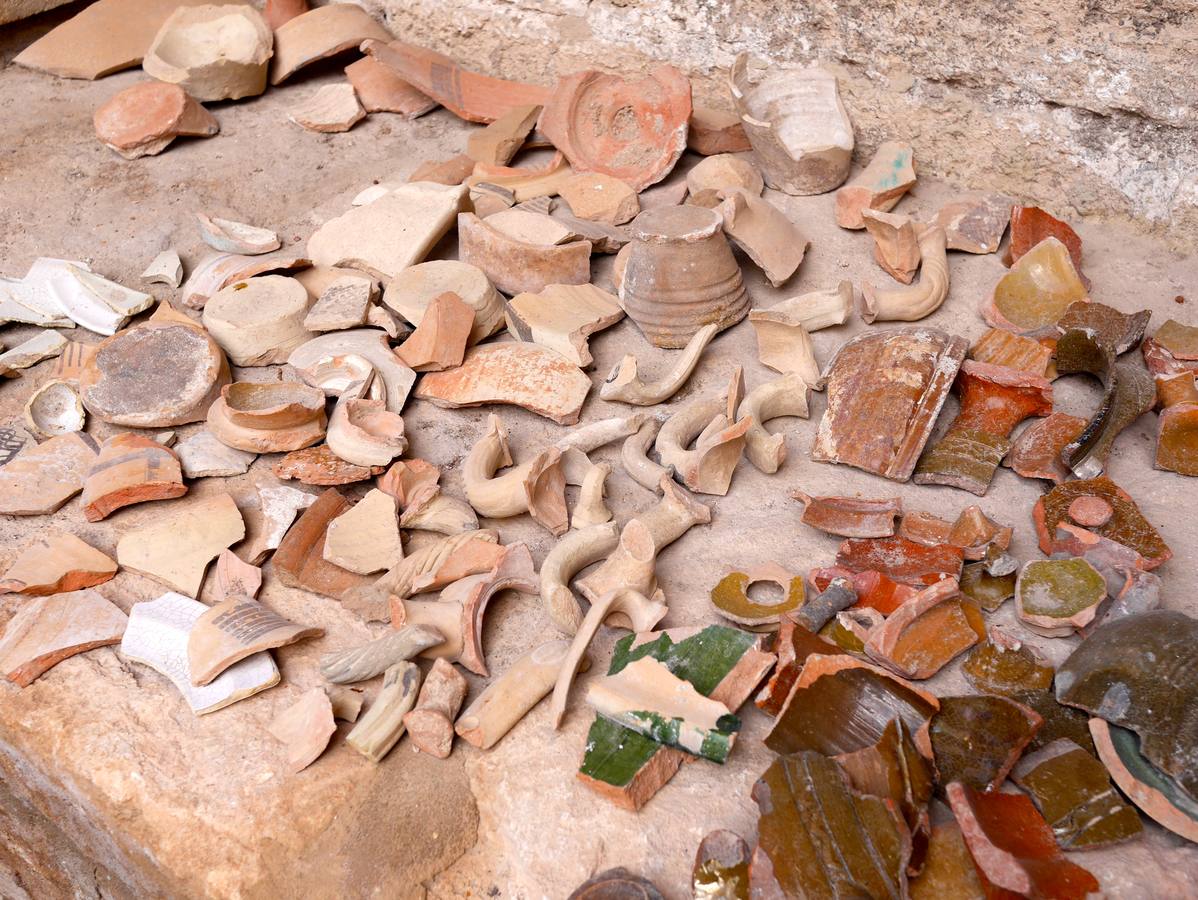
x=114, y=788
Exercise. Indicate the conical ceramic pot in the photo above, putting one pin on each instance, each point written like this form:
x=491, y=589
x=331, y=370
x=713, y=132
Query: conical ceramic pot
x=680, y=275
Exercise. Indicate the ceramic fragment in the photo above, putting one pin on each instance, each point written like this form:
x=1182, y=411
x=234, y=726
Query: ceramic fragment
x=165, y=268
x=365, y=539
x=365, y=433
x=896, y=243
x=1126, y=525
x=975, y=222
x=279, y=506
x=212, y=52
x=449, y=172
x=306, y=728
x=332, y=109
x=143, y=119
x=412, y=291
x=1177, y=427
x=96, y=303
x=130, y=469
x=299, y=561
x=497, y=143
x=1036, y=453
x=525, y=183
x=531, y=227
x=718, y=445
x=617, y=882
x=881, y=424
x=730, y=597
x=54, y=563
x=430, y=722
x=602, y=198
x=805, y=850
x=473, y=97
x=653, y=112
x=47, y=630
x=874, y=590
x=219, y=270
x=625, y=384
x=320, y=466
x=1074, y=794
x=999, y=347
x=1135, y=672
x=41, y=478
x=30, y=300
x=1156, y=795
x=1031, y=297
x=379, y=89
x=278, y=12
x=850, y=516
x=1107, y=326
x=381, y=728
x=319, y=33
x=840, y=705
x=390, y=234
x=346, y=702
x=46, y=345
x=514, y=266
x=268, y=417
x=725, y=172
x=1014, y=847
x=1056, y=597
x=563, y=317
x=569, y=555
x=1031, y=225
x=233, y=630
x=235, y=578
x=764, y=233
x=977, y=740
x=889, y=175
x=1005, y=665
x=785, y=396
x=522, y=374
x=721, y=867
x=371, y=345
x=157, y=636
x=796, y=122
x=236, y=237
x=258, y=322
x=433, y=510
x=722, y=663
x=793, y=645
x=917, y=301
x=1172, y=350
x=903, y=560
x=375, y=657
x=203, y=455
x=177, y=549
x=680, y=275
x=458, y=556
x=510, y=696
x=713, y=131
x=948, y=869
x=925, y=633
x=54, y=409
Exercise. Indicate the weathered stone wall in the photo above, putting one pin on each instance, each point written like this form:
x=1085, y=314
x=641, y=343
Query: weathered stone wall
x=1088, y=106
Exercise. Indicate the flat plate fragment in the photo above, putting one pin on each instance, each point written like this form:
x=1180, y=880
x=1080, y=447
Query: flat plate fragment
x=47, y=630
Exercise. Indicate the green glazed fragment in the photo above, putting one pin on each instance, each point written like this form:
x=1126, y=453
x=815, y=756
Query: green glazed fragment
x=988, y=591
x=1055, y=597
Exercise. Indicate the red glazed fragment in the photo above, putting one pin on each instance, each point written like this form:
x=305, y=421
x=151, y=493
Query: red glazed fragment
x=901, y=559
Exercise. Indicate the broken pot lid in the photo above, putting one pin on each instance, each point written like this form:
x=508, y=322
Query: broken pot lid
x=634, y=130
x=154, y=375
x=514, y=266
x=1137, y=673
x=796, y=122
x=234, y=629
x=47, y=630
x=731, y=599
x=1031, y=297
x=321, y=466
x=320, y=33
x=413, y=289
x=157, y=636
x=176, y=548
x=528, y=375
x=143, y=119
x=562, y=317
x=975, y=223
x=393, y=232
x=1125, y=524
x=330, y=109
x=881, y=425
x=212, y=52
x=369, y=343
x=41, y=478
x=852, y=517
x=379, y=89
x=880, y=186
x=259, y=321
x=131, y=468
x=306, y=728
x=473, y=97
x=977, y=740
x=56, y=562
x=1056, y=597
x=228, y=236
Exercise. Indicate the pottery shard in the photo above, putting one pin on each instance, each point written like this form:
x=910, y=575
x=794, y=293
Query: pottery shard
x=439, y=341
x=850, y=516
x=365, y=538
x=474, y=97
x=342, y=304
x=1036, y=453
x=1013, y=847
x=724, y=172
x=496, y=144
x=176, y=549
x=143, y=119
x=41, y=478
x=903, y=560
x=596, y=197
x=320, y=33
x=103, y=38
x=651, y=112
x=46, y=345
x=306, y=728
x=54, y=563
x=430, y=723
x=528, y=375
x=411, y=292
x=885, y=390
x=370, y=344
x=203, y=456
x=320, y=466
x=154, y=375
x=258, y=322
x=975, y=222
x=1030, y=225
x=380, y=90
x=212, y=52
x=796, y=123
x=713, y=131
x=130, y=469
x=889, y=175
x=531, y=227
x=235, y=578
x=976, y=740
x=390, y=234
x=924, y=634
x=896, y=243
x=514, y=266
x=563, y=317
x=47, y=630
x=1056, y=597
x=764, y=232
x=1034, y=294
x=299, y=561
x=1126, y=525
x=234, y=629
x=331, y=109
x=157, y=636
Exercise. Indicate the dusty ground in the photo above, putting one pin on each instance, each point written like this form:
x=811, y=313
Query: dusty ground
x=103, y=756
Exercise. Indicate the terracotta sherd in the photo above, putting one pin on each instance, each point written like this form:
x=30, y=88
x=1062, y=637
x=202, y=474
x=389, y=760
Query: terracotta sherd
x=515, y=266
x=596, y=197
x=143, y=119
x=320, y=33
x=41, y=478
x=259, y=321
x=56, y=562
x=412, y=291
x=380, y=90
x=713, y=131
x=333, y=108
x=889, y=175
x=47, y=630
x=212, y=52
x=130, y=469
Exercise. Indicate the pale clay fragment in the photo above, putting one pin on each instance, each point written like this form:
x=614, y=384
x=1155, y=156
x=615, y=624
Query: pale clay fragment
x=234, y=578
x=765, y=233
x=786, y=396
x=784, y=345
x=203, y=455
x=96, y=303
x=381, y=728
x=917, y=301
x=41, y=478
x=624, y=383
x=54, y=409
x=434, y=510
x=631, y=566
x=157, y=636
x=144, y=119
x=212, y=52
x=46, y=630
x=591, y=508
x=635, y=461
x=56, y=562
x=46, y=345
x=430, y=722
x=260, y=321
x=371, y=659
x=719, y=445
x=722, y=171
x=305, y=728
x=412, y=291
x=563, y=317
x=332, y=109
x=595, y=197
x=889, y=175
x=365, y=433
x=531, y=227
x=496, y=144
x=342, y=304
x=896, y=243
x=234, y=629
x=571, y=554
x=515, y=266
x=165, y=268
x=320, y=33
x=366, y=538
x=228, y=236
x=440, y=340
x=369, y=344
